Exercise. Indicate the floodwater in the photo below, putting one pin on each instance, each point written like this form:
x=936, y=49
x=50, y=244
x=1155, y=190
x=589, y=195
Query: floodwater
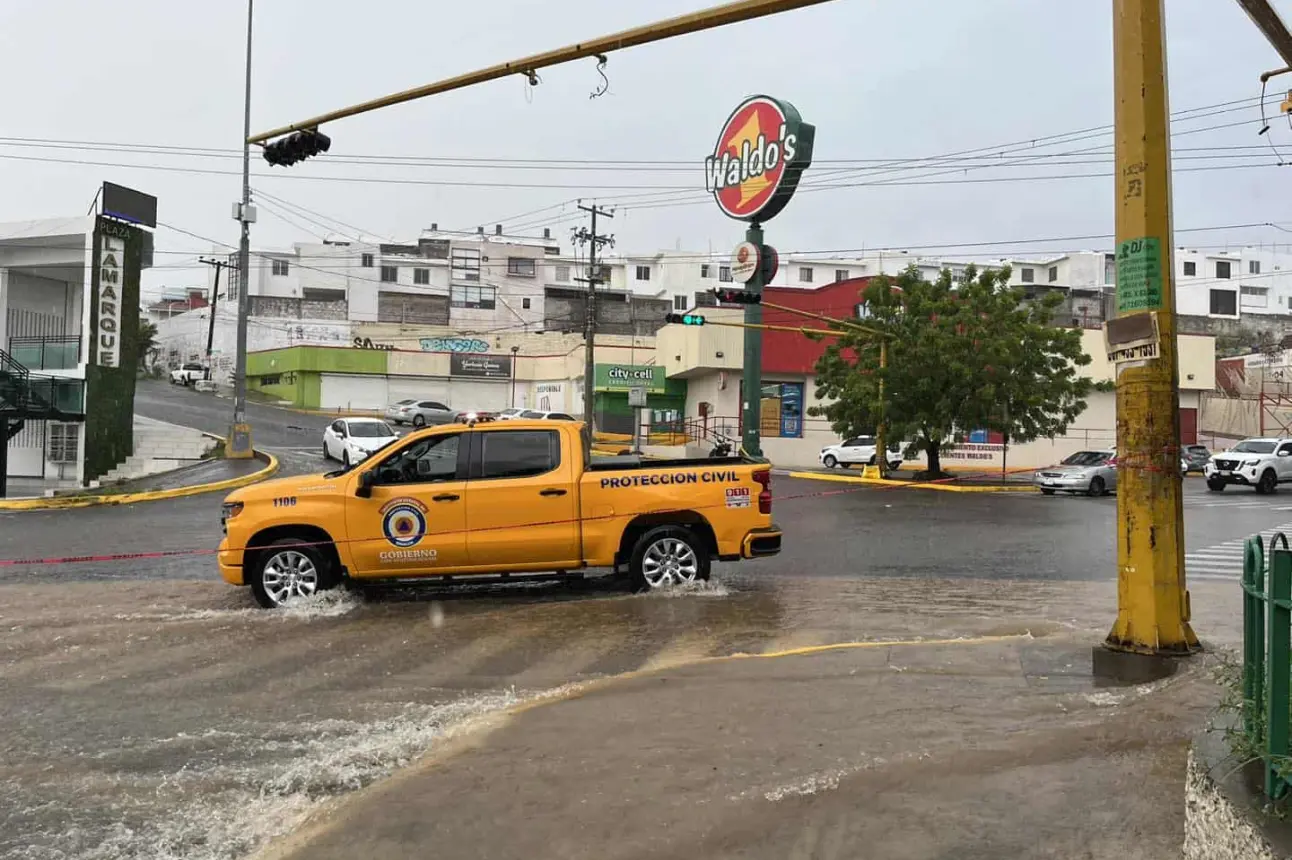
x=172, y=719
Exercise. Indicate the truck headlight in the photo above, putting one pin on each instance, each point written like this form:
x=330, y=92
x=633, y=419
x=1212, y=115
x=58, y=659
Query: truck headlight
x=228, y=511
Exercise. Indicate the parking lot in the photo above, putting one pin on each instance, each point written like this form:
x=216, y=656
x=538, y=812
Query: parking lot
x=165, y=706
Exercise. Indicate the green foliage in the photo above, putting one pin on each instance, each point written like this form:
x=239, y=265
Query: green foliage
x=146, y=341
x=964, y=356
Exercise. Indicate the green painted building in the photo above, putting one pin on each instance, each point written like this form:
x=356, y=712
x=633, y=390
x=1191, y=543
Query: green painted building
x=295, y=374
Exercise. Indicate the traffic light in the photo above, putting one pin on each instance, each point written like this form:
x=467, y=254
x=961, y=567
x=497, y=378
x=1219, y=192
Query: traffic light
x=299, y=146
x=737, y=297
x=684, y=319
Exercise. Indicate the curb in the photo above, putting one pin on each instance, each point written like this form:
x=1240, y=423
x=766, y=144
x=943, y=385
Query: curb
x=944, y=488
x=88, y=500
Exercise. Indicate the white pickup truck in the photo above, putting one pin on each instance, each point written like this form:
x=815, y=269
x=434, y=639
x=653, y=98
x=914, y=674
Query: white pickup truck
x=1259, y=463
x=187, y=374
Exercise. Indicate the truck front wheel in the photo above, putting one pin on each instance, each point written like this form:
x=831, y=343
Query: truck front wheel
x=288, y=570
x=668, y=556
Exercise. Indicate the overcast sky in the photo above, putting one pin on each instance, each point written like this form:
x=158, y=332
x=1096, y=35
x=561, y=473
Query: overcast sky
x=881, y=80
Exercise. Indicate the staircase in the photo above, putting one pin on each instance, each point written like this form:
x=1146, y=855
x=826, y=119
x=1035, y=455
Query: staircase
x=160, y=447
x=33, y=397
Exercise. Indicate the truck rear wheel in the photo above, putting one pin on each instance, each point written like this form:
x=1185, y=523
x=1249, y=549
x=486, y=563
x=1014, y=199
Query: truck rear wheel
x=288, y=570
x=668, y=556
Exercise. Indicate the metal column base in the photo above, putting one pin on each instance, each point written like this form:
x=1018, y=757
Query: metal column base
x=1129, y=667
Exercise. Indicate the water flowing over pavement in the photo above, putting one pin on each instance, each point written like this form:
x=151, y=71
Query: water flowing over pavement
x=159, y=719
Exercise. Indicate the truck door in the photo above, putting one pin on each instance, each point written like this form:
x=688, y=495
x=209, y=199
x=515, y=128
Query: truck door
x=415, y=521
x=522, y=502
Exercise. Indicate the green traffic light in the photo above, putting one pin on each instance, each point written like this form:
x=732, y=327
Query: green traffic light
x=692, y=319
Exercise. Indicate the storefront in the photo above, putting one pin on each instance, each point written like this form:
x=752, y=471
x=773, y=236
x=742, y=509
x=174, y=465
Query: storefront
x=665, y=398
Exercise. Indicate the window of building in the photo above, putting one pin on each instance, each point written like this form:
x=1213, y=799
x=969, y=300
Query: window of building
x=562, y=273
x=1222, y=269
x=1253, y=267
x=706, y=271
x=1026, y=275
x=1110, y=269
x=390, y=274
x=522, y=266
x=680, y=303
x=1224, y=303
x=841, y=274
x=518, y=453
x=315, y=294
x=524, y=304
x=280, y=268
x=1190, y=268
x=781, y=409
x=724, y=274
x=366, y=261
x=1255, y=297
x=464, y=264
x=421, y=276
x=64, y=442
x=473, y=297
x=643, y=273
x=1054, y=274
x=805, y=274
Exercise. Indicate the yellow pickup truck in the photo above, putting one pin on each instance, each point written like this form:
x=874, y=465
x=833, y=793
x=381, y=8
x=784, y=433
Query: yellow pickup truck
x=495, y=498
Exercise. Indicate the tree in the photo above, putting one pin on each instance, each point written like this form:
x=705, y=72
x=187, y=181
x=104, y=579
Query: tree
x=147, y=341
x=961, y=357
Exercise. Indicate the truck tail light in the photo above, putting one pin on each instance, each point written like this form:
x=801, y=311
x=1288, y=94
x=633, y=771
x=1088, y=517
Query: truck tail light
x=763, y=478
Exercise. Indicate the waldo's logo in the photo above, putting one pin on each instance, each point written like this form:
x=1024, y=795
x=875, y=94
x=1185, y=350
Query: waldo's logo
x=762, y=150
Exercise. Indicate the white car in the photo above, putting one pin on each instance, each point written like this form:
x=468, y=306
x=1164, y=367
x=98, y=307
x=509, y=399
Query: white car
x=352, y=440
x=536, y=414
x=187, y=374
x=859, y=450
x=508, y=414
x=1259, y=463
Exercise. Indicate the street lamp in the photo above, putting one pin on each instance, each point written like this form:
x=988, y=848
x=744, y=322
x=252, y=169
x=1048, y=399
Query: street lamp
x=514, y=350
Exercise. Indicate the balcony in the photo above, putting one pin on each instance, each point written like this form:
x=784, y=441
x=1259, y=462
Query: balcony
x=46, y=353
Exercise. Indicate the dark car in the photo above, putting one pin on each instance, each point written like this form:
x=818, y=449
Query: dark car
x=1196, y=456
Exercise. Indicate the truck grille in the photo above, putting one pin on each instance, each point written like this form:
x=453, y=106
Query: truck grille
x=1227, y=465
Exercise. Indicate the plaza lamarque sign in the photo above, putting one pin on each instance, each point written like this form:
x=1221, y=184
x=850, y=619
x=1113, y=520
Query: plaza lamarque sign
x=763, y=149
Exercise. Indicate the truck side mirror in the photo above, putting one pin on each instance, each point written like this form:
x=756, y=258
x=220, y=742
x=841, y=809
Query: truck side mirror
x=366, y=481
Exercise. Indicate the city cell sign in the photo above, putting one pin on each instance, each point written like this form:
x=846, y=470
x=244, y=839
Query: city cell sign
x=763, y=149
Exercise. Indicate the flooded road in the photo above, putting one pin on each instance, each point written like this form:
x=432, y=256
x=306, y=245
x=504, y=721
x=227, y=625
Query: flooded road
x=162, y=719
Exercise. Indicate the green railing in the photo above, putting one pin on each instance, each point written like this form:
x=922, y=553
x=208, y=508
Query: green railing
x=1267, y=658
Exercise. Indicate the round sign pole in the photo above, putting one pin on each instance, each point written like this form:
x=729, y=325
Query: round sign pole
x=752, y=390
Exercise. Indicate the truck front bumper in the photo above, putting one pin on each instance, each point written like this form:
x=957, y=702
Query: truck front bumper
x=230, y=562
x=761, y=543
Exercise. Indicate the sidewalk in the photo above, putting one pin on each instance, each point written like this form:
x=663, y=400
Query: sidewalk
x=202, y=477
x=993, y=747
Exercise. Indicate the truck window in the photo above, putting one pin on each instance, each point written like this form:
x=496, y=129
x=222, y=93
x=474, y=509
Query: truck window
x=530, y=413
x=425, y=461
x=518, y=453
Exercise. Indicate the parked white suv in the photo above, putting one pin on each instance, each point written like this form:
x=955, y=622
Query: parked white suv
x=859, y=450
x=1259, y=463
x=187, y=374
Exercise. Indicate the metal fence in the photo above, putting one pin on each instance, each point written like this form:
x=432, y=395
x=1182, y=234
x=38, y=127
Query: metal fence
x=1267, y=658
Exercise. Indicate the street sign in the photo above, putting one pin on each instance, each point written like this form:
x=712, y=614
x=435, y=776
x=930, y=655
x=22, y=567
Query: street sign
x=637, y=396
x=763, y=149
x=745, y=261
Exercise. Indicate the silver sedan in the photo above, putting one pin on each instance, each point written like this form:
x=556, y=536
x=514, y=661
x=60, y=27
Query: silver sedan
x=1091, y=472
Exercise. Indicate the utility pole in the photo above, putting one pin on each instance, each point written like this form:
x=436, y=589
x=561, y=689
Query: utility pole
x=240, y=432
x=751, y=389
x=1152, y=602
x=219, y=266
x=594, y=241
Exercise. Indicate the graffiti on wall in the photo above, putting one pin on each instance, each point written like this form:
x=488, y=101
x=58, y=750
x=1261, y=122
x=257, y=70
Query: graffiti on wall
x=454, y=344
x=367, y=343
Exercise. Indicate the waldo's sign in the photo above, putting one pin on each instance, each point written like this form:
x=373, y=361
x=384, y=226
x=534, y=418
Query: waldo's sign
x=763, y=149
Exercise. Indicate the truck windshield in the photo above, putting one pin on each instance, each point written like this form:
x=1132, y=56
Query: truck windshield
x=1254, y=446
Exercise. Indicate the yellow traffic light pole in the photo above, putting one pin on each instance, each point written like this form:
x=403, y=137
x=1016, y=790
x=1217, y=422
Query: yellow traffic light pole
x=1152, y=602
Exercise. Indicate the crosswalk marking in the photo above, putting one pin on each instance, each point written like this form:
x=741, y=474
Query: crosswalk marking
x=1224, y=561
